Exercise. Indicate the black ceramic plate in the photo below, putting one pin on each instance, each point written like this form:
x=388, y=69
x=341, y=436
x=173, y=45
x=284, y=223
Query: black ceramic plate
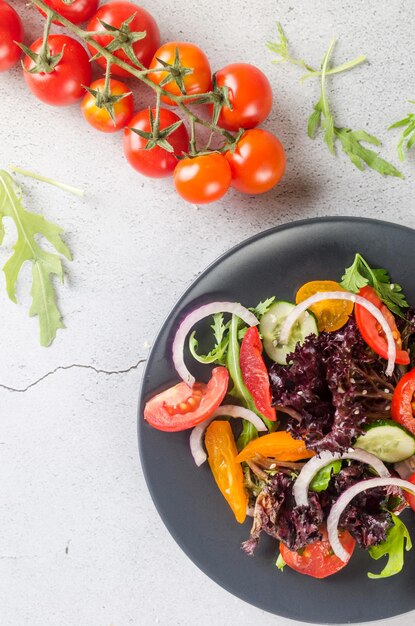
x=276, y=262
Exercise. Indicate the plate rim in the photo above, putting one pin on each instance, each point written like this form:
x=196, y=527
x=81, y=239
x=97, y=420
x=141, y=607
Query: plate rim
x=140, y=423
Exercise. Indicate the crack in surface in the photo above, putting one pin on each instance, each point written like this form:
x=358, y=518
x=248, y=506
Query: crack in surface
x=69, y=367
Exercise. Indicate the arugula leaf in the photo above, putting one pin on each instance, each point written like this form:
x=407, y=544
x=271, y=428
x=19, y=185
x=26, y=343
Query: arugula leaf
x=280, y=563
x=44, y=264
x=393, y=547
x=263, y=307
x=218, y=352
x=408, y=135
x=360, y=274
x=321, y=480
x=322, y=118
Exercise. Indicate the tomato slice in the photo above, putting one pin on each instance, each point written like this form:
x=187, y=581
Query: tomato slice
x=371, y=331
x=409, y=497
x=227, y=472
x=255, y=373
x=317, y=559
x=403, y=402
x=181, y=407
x=331, y=314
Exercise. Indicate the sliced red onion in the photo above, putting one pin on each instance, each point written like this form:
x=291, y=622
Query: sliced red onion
x=293, y=316
x=228, y=410
x=310, y=469
x=195, y=316
x=346, y=497
x=406, y=468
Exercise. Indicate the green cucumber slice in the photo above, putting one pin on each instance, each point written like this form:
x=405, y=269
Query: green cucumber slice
x=270, y=328
x=388, y=441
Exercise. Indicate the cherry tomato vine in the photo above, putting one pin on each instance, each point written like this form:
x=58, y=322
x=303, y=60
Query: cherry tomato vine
x=180, y=76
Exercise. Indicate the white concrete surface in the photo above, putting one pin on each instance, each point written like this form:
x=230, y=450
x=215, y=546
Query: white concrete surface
x=80, y=541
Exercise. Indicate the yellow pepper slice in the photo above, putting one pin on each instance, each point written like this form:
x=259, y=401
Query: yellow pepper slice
x=331, y=314
x=279, y=445
x=227, y=472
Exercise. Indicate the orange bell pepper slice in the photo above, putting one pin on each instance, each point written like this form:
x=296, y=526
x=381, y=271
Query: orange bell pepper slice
x=227, y=472
x=279, y=445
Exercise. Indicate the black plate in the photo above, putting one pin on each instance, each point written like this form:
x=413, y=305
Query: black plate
x=276, y=262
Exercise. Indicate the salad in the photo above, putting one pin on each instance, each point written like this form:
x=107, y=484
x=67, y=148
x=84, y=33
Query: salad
x=308, y=419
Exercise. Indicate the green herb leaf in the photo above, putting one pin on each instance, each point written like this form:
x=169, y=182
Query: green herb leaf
x=280, y=563
x=351, y=144
x=321, y=480
x=263, y=307
x=44, y=264
x=360, y=274
x=393, y=547
x=407, y=138
x=218, y=353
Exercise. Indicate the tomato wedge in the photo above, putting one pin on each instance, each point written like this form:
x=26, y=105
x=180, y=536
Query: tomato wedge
x=255, y=373
x=410, y=498
x=317, y=559
x=331, y=314
x=227, y=472
x=403, y=402
x=280, y=446
x=372, y=333
x=182, y=407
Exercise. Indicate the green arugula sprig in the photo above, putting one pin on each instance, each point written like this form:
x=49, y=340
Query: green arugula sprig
x=44, y=264
x=393, y=547
x=360, y=274
x=350, y=140
x=407, y=139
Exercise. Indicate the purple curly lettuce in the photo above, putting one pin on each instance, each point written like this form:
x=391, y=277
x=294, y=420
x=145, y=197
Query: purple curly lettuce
x=277, y=515
x=367, y=517
x=336, y=384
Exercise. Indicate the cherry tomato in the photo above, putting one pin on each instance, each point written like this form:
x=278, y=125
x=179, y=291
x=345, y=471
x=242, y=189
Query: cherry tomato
x=99, y=117
x=372, y=333
x=255, y=373
x=280, y=446
x=157, y=162
x=403, y=402
x=114, y=14
x=317, y=559
x=192, y=58
x=77, y=12
x=65, y=84
x=249, y=93
x=11, y=30
x=331, y=314
x=202, y=179
x=182, y=407
x=257, y=163
x=227, y=472
x=410, y=498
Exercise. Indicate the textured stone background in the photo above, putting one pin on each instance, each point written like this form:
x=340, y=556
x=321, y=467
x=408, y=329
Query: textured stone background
x=80, y=541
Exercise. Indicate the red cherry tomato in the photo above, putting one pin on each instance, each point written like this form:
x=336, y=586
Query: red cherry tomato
x=257, y=163
x=114, y=14
x=410, y=498
x=255, y=373
x=202, y=179
x=65, y=84
x=249, y=93
x=77, y=12
x=317, y=559
x=182, y=407
x=99, y=117
x=157, y=162
x=11, y=30
x=198, y=80
x=403, y=402
x=371, y=331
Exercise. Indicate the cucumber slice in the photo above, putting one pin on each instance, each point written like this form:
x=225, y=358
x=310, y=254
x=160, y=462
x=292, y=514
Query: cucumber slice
x=388, y=441
x=270, y=328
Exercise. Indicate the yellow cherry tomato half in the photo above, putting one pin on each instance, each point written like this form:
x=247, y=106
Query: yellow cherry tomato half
x=227, y=472
x=331, y=314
